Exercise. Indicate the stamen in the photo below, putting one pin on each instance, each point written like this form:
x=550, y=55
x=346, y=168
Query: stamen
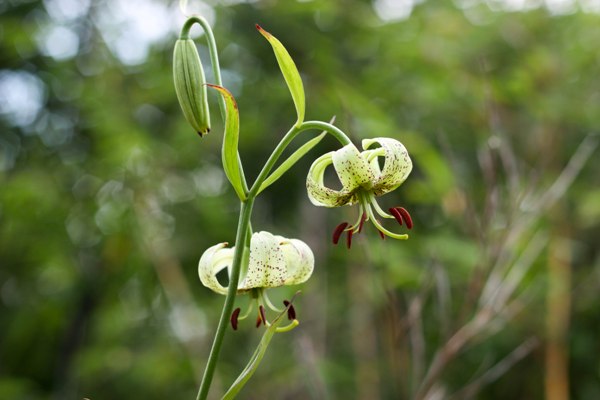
x=234, y=318
x=291, y=313
x=268, y=302
x=378, y=210
x=248, y=311
x=396, y=214
x=362, y=221
x=338, y=232
x=258, y=321
x=406, y=216
x=381, y=234
x=381, y=229
x=261, y=310
x=288, y=327
x=349, y=239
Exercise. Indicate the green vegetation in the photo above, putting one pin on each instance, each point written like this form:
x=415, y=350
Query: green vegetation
x=108, y=198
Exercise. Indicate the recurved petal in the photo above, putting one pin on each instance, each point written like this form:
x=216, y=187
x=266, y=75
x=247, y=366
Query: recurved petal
x=397, y=164
x=212, y=262
x=318, y=193
x=266, y=267
x=299, y=260
x=352, y=168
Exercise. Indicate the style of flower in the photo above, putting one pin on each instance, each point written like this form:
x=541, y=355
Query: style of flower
x=274, y=261
x=362, y=181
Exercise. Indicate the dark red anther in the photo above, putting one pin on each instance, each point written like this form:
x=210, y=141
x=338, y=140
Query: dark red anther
x=234, y=318
x=261, y=310
x=349, y=239
x=405, y=216
x=396, y=214
x=291, y=312
x=363, y=218
x=258, y=321
x=338, y=232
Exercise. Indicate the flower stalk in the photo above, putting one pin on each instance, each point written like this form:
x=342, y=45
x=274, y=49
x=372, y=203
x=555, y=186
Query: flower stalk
x=263, y=260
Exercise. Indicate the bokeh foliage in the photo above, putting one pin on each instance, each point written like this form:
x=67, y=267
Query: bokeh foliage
x=108, y=198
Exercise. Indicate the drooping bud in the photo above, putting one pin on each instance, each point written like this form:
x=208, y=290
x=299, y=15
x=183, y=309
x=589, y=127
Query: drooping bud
x=188, y=76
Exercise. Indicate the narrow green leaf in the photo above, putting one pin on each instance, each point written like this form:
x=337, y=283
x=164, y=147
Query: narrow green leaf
x=290, y=161
x=289, y=71
x=229, y=151
x=255, y=359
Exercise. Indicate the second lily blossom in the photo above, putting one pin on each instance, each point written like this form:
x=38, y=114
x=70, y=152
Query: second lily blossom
x=362, y=181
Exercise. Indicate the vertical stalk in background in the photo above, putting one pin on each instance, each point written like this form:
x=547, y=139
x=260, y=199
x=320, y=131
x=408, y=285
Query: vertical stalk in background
x=558, y=313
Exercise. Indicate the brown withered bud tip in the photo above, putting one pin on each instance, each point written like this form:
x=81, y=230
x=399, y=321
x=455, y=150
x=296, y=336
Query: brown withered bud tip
x=338, y=232
x=406, y=217
x=291, y=313
x=363, y=218
x=234, y=318
x=349, y=239
x=396, y=214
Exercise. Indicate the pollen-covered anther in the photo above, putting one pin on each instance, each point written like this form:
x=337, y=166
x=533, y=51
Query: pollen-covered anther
x=338, y=232
x=291, y=312
x=261, y=315
x=394, y=211
x=405, y=216
x=234, y=318
x=363, y=218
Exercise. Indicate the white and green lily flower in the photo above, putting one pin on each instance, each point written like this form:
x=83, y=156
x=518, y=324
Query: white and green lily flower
x=362, y=181
x=274, y=261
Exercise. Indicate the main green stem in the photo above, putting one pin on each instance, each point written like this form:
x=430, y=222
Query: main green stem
x=240, y=238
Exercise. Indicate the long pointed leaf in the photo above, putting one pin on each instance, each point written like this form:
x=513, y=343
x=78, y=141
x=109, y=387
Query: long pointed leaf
x=289, y=71
x=229, y=151
x=255, y=359
x=290, y=161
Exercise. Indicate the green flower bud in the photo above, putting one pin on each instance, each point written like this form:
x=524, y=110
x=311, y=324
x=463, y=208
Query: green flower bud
x=190, y=87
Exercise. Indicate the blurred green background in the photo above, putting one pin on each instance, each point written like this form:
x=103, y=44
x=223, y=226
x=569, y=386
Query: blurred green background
x=108, y=198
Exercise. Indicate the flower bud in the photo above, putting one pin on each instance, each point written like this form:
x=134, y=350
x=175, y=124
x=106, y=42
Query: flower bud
x=190, y=87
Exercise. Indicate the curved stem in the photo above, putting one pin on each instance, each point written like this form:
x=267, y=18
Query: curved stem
x=287, y=139
x=216, y=68
x=242, y=232
x=329, y=128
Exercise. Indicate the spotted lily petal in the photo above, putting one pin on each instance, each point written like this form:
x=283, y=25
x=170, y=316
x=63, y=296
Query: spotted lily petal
x=352, y=168
x=274, y=261
x=397, y=165
x=267, y=266
x=299, y=259
x=213, y=261
x=318, y=193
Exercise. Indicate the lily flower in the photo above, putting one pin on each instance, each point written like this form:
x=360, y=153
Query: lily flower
x=362, y=181
x=274, y=261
